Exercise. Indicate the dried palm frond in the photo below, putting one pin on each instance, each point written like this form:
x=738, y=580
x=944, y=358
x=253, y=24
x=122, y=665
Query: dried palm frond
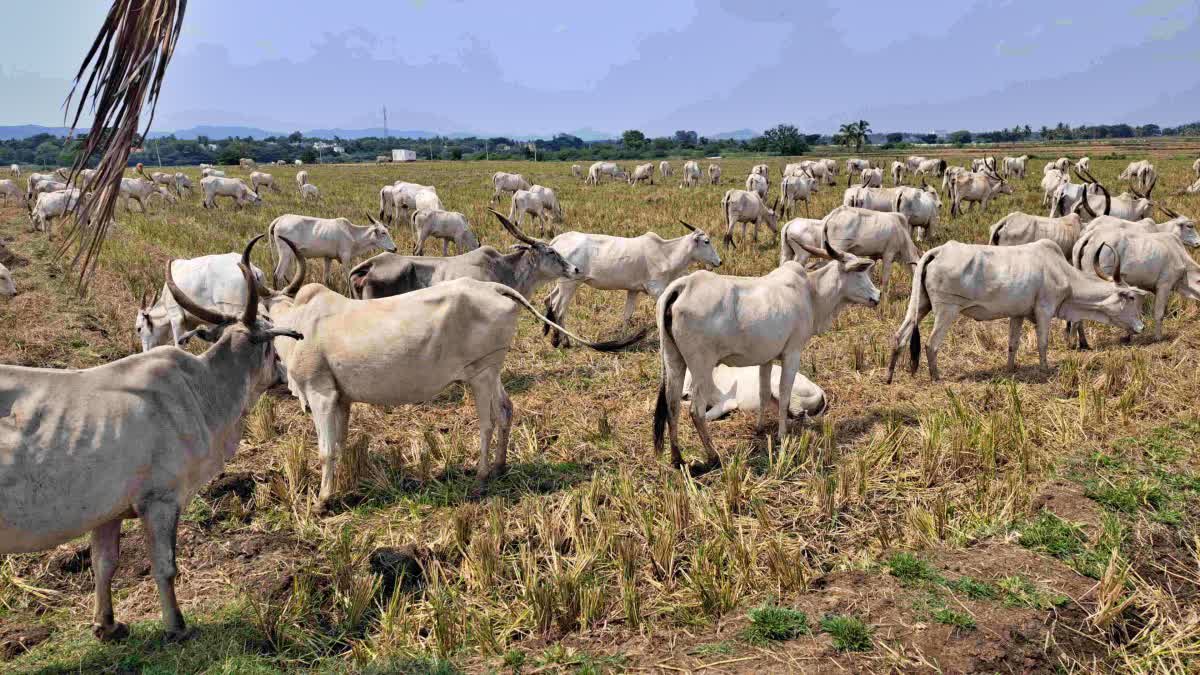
x=127, y=63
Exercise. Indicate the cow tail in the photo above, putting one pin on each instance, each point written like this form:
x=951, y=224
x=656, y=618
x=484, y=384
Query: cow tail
x=549, y=309
x=662, y=408
x=608, y=346
x=919, y=294
x=995, y=239
x=728, y=227
x=358, y=278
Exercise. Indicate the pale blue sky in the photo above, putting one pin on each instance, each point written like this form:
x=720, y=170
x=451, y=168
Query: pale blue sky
x=710, y=65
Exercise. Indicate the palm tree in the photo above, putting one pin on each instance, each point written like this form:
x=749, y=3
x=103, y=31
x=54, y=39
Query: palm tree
x=864, y=128
x=127, y=62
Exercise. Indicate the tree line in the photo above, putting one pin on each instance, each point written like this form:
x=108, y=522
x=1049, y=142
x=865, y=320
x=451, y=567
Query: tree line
x=782, y=139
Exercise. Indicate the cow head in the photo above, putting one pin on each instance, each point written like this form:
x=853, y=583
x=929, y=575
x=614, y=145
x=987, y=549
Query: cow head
x=702, y=248
x=379, y=236
x=771, y=216
x=1182, y=226
x=548, y=263
x=7, y=288
x=151, y=331
x=1123, y=308
x=853, y=273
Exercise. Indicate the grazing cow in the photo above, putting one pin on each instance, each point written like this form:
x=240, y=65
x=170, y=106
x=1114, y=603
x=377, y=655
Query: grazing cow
x=705, y=320
x=527, y=201
x=7, y=288
x=642, y=172
x=1084, y=164
x=980, y=164
x=15, y=170
x=1015, y=166
x=1030, y=281
x=137, y=437
x=1182, y=227
x=757, y=184
x=531, y=264
x=930, y=167
x=209, y=171
x=600, y=169
x=1141, y=175
x=691, y=174
x=875, y=198
x=309, y=191
x=886, y=237
x=1062, y=164
x=797, y=236
x=831, y=169
x=234, y=188
x=507, y=182
x=921, y=207
x=326, y=238
x=1050, y=182
x=258, y=179
x=664, y=168
x=1156, y=262
x=741, y=206
x=401, y=350
x=645, y=264
x=246, y=163
x=912, y=163
x=1079, y=198
x=737, y=389
x=948, y=177
x=872, y=177
x=165, y=180
x=449, y=226
x=182, y=183
x=1022, y=228
x=406, y=197
x=52, y=205
x=897, y=170
x=855, y=166
x=577, y=171
x=714, y=174
x=141, y=190
x=793, y=189
x=301, y=178
x=214, y=282
x=41, y=185
x=9, y=188
x=977, y=188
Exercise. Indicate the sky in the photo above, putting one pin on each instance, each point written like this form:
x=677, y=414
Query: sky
x=538, y=68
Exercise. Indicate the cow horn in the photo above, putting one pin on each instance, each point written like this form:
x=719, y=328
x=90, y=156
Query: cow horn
x=1084, y=202
x=189, y=306
x=1153, y=182
x=512, y=229
x=830, y=251
x=691, y=228
x=774, y=206
x=298, y=280
x=250, y=313
x=1107, y=198
x=1075, y=170
x=1170, y=213
x=373, y=220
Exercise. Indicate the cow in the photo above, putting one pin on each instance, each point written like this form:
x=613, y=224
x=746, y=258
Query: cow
x=741, y=206
x=886, y=237
x=531, y=264
x=831, y=169
x=714, y=174
x=168, y=181
x=636, y=265
x=1030, y=281
x=246, y=163
x=1079, y=198
x=1084, y=164
x=577, y=171
x=1156, y=262
x=449, y=226
x=309, y=191
x=600, y=169
x=52, y=205
x=301, y=179
x=1063, y=164
x=234, y=188
x=137, y=437
x=209, y=171
x=259, y=179
x=1141, y=175
x=214, y=282
x=529, y=202
x=912, y=163
x=872, y=177
x=1051, y=180
x=642, y=172
x=665, y=170
x=326, y=238
x=14, y=170
x=921, y=207
x=691, y=174
x=7, y=288
x=934, y=167
x=977, y=188
x=854, y=167
x=980, y=164
x=9, y=188
x=404, y=349
x=737, y=389
x=140, y=190
x=705, y=320
x=1022, y=228
x=793, y=189
x=757, y=184
x=1015, y=166
x=948, y=176
x=897, y=170
x=408, y=197
x=507, y=182
x=797, y=236
x=42, y=184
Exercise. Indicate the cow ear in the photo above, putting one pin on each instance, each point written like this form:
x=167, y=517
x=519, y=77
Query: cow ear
x=859, y=264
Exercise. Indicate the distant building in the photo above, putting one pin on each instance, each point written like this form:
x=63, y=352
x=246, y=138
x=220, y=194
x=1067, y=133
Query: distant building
x=333, y=147
x=404, y=156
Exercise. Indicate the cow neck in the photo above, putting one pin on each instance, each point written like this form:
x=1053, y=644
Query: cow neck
x=229, y=368
x=825, y=294
x=678, y=254
x=524, y=272
x=1086, y=295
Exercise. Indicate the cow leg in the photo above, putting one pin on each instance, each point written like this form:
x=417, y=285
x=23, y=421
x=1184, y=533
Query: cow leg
x=885, y=274
x=328, y=269
x=674, y=370
x=903, y=336
x=284, y=254
x=941, y=326
x=331, y=416
x=565, y=291
x=764, y=396
x=703, y=390
x=791, y=365
x=446, y=248
x=106, y=555
x=630, y=305
x=806, y=212
x=160, y=516
x=1083, y=342
x=419, y=247
x=504, y=414
x=1014, y=339
x=484, y=390
x=1044, y=320
x=1161, y=295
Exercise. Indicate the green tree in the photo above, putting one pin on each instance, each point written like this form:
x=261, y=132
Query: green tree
x=633, y=138
x=295, y=137
x=929, y=138
x=785, y=139
x=960, y=137
x=895, y=138
x=308, y=156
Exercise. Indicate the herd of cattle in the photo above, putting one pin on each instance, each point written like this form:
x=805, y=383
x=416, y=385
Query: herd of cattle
x=140, y=436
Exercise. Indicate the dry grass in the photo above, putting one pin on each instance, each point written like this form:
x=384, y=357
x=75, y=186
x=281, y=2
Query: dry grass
x=594, y=554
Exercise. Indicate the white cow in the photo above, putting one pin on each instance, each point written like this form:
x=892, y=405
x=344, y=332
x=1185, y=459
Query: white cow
x=921, y=207
x=141, y=190
x=741, y=206
x=507, y=182
x=737, y=389
x=977, y=188
x=642, y=172
x=886, y=237
x=529, y=202
x=7, y=288
x=691, y=174
x=664, y=168
x=1140, y=174
x=449, y=226
x=301, y=178
x=259, y=179
x=326, y=238
x=52, y=205
x=706, y=320
x=234, y=188
x=897, y=170
x=1015, y=166
x=600, y=169
x=9, y=188
x=15, y=170
x=872, y=177
x=309, y=191
x=645, y=264
x=1022, y=228
x=577, y=170
x=796, y=188
x=714, y=174
x=209, y=171
x=1084, y=164
x=1030, y=281
x=933, y=167
x=1051, y=180
x=855, y=166
x=757, y=184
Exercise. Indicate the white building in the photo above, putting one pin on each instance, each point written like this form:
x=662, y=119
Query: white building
x=404, y=156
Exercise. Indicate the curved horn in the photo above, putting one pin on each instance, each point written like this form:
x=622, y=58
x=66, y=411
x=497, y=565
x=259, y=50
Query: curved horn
x=189, y=306
x=1096, y=263
x=774, y=206
x=830, y=251
x=1075, y=170
x=691, y=228
x=298, y=280
x=1107, y=198
x=1170, y=213
x=250, y=313
x=373, y=220
x=1084, y=202
x=1150, y=188
x=512, y=229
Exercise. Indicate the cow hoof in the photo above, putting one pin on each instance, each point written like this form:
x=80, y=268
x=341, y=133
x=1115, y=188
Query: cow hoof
x=497, y=471
x=182, y=635
x=324, y=506
x=701, y=468
x=116, y=632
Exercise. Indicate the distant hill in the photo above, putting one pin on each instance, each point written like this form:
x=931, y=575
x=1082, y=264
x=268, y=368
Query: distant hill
x=27, y=130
